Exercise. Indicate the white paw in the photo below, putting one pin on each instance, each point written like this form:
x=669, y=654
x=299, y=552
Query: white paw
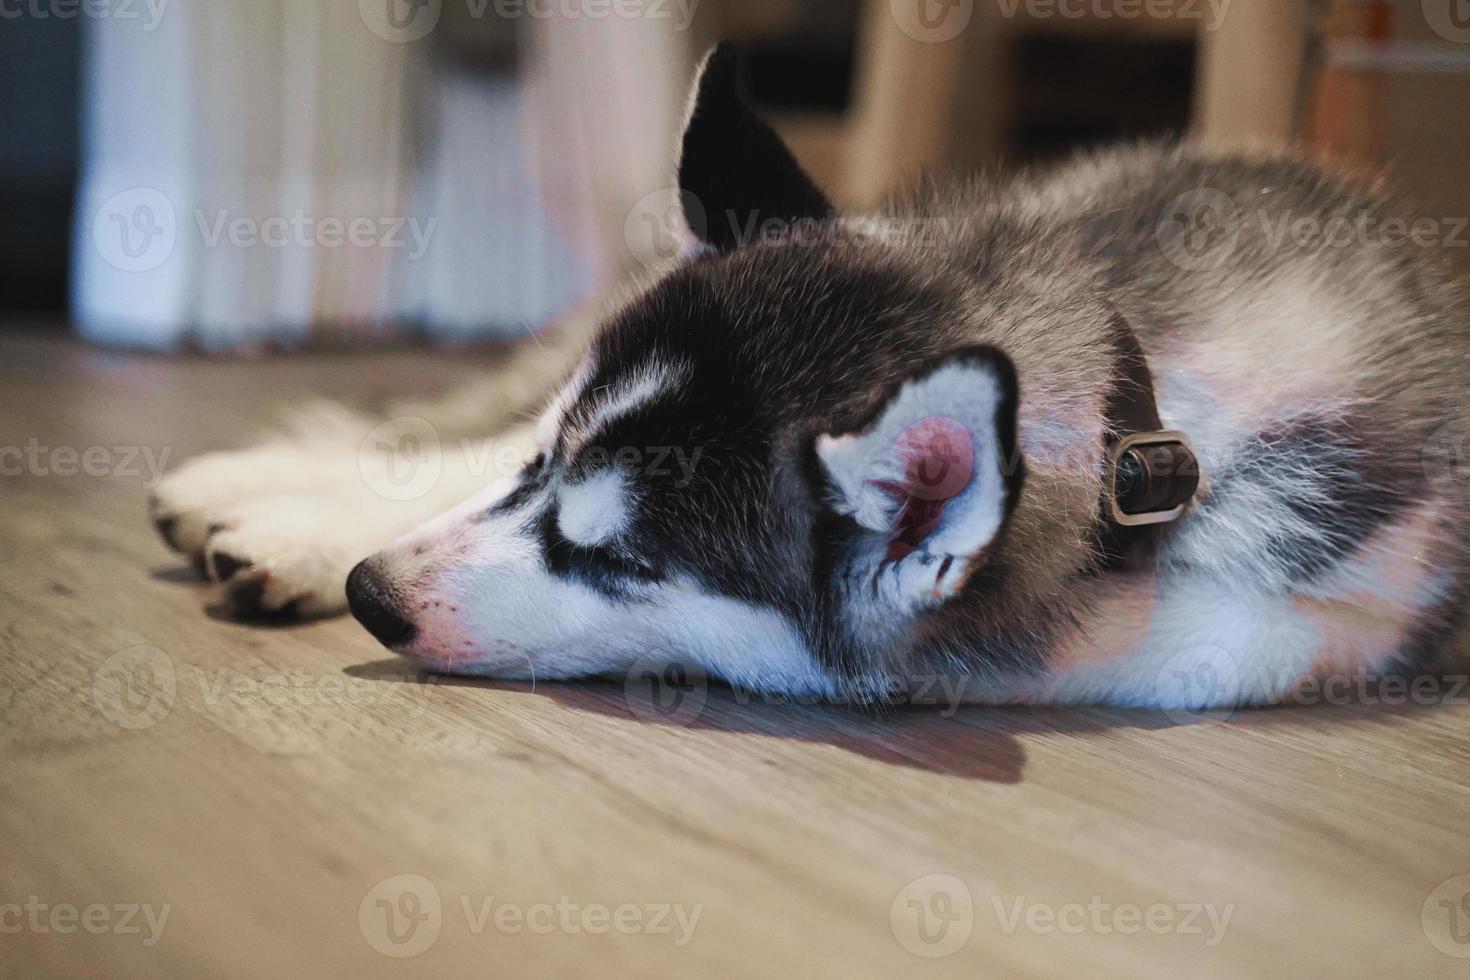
x=280, y=526
x=190, y=502
x=288, y=555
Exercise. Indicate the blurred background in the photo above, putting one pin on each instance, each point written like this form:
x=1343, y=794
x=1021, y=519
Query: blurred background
x=253, y=175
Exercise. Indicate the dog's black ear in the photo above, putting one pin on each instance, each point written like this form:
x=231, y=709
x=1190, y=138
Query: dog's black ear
x=733, y=167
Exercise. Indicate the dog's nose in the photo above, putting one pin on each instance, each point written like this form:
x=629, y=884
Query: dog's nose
x=368, y=598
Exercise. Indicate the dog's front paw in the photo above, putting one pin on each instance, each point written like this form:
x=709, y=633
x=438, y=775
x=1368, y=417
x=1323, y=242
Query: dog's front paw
x=193, y=502
x=278, y=527
x=286, y=557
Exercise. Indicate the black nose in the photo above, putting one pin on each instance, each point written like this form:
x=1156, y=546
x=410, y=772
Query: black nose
x=367, y=597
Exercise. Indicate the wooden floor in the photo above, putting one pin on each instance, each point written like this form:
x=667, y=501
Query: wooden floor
x=299, y=805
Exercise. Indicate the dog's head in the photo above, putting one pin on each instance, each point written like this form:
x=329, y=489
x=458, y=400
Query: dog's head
x=774, y=461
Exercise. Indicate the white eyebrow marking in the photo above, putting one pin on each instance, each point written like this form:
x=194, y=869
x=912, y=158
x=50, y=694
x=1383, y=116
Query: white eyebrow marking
x=640, y=385
x=597, y=509
x=637, y=387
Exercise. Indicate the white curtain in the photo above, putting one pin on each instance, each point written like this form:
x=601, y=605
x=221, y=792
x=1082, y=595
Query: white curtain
x=276, y=171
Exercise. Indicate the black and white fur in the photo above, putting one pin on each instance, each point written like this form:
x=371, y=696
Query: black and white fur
x=821, y=375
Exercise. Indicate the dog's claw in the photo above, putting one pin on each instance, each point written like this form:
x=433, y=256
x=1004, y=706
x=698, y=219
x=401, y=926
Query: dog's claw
x=225, y=565
x=246, y=600
x=166, y=526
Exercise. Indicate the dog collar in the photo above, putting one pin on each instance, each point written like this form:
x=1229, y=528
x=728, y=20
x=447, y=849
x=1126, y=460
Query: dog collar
x=1152, y=475
x=1153, y=478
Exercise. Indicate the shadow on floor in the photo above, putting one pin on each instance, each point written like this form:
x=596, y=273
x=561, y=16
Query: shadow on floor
x=972, y=742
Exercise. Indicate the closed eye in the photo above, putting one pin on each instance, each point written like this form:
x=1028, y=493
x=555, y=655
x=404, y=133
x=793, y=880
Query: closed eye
x=608, y=568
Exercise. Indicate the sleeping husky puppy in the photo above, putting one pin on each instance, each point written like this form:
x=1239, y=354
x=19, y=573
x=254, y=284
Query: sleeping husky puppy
x=1064, y=439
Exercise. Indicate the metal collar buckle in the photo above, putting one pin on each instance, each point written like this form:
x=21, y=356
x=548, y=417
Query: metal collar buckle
x=1153, y=478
